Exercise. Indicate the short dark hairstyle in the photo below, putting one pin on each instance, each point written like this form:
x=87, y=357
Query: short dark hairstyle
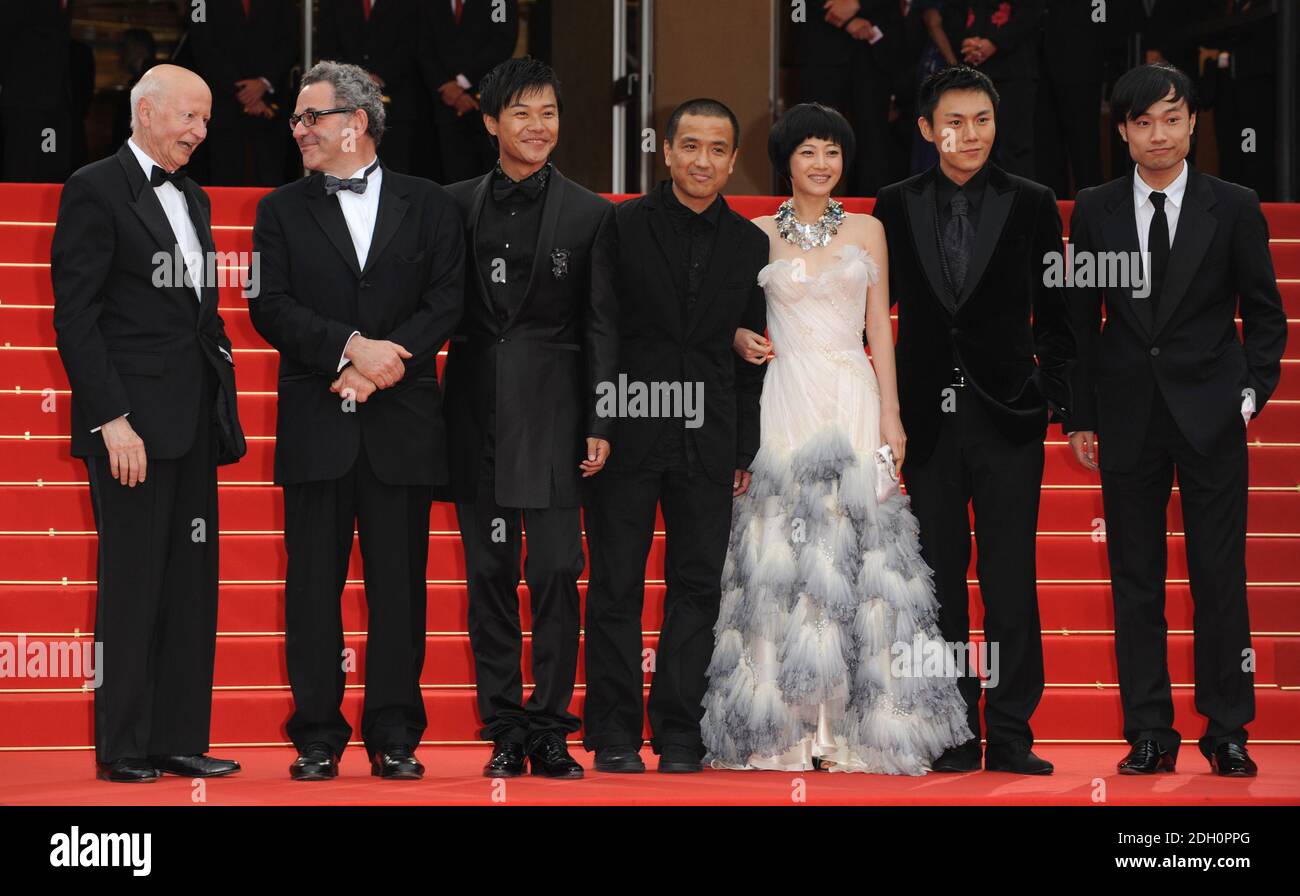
x=513, y=79
x=802, y=122
x=1138, y=89
x=706, y=107
x=954, y=77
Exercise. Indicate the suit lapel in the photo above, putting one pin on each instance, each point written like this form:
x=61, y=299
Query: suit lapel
x=210, y=293
x=999, y=197
x=724, y=247
x=554, y=201
x=325, y=209
x=657, y=219
x=477, y=202
x=1120, y=234
x=1192, y=238
x=392, y=209
x=150, y=212
x=922, y=216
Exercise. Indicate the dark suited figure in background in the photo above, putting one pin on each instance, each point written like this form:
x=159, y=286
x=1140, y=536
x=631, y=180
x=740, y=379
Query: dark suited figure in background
x=244, y=50
x=522, y=373
x=460, y=42
x=847, y=55
x=1067, y=154
x=382, y=37
x=153, y=414
x=1168, y=385
x=137, y=53
x=1245, y=96
x=361, y=285
x=687, y=278
x=42, y=129
x=1000, y=39
x=984, y=347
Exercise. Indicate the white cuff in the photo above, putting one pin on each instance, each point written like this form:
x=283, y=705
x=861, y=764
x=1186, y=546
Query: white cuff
x=98, y=428
x=876, y=34
x=226, y=353
x=1247, y=407
x=463, y=82
x=343, y=359
x=269, y=87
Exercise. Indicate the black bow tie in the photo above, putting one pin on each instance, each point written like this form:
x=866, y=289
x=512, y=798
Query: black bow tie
x=355, y=184
x=158, y=177
x=530, y=187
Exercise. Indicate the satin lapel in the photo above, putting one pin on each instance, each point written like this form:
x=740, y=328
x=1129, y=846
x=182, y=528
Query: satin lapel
x=1120, y=234
x=1192, y=238
x=921, y=216
x=150, y=212
x=475, y=209
x=657, y=220
x=999, y=197
x=203, y=227
x=325, y=209
x=392, y=209
x=545, y=236
x=720, y=262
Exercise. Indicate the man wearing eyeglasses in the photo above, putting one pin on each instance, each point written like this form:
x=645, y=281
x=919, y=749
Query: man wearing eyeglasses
x=362, y=276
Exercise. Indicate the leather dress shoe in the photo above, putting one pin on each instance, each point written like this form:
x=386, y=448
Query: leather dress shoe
x=1232, y=761
x=619, y=759
x=316, y=762
x=550, y=757
x=961, y=758
x=396, y=762
x=1018, y=761
x=127, y=771
x=679, y=760
x=1146, y=757
x=508, y=761
x=195, y=766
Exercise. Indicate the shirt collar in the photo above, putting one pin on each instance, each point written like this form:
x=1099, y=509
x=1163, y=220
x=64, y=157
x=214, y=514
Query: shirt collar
x=1173, y=193
x=946, y=188
x=685, y=214
x=145, y=160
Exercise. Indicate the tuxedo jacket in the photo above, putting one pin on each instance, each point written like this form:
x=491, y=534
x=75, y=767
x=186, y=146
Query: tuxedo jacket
x=1219, y=264
x=545, y=359
x=386, y=45
x=128, y=345
x=1014, y=27
x=472, y=48
x=1007, y=329
x=227, y=47
x=659, y=342
x=314, y=295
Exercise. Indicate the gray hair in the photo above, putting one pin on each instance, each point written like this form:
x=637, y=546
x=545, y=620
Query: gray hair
x=146, y=87
x=353, y=88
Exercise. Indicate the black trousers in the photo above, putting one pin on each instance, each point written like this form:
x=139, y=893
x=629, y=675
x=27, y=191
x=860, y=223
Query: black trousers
x=620, y=529
x=974, y=464
x=1068, y=147
x=1013, y=147
x=156, y=605
x=492, y=537
x=1213, y=493
x=463, y=144
x=860, y=90
x=392, y=522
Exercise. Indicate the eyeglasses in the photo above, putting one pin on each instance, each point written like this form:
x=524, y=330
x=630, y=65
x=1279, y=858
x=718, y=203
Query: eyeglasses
x=309, y=117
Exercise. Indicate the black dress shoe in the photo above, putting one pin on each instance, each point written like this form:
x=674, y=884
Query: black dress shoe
x=396, y=762
x=619, y=759
x=1232, y=761
x=1146, y=758
x=508, y=761
x=316, y=762
x=550, y=757
x=127, y=771
x=195, y=766
x=679, y=760
x=1016, y=761
x=961, y=758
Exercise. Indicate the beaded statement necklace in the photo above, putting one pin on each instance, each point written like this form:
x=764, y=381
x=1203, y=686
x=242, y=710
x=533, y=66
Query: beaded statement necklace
x=809, y=236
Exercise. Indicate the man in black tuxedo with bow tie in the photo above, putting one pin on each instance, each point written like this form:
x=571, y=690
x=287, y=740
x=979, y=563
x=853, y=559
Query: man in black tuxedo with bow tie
x=522, y=372
x=153, y=414
x=984, y=346
x=1168, y=385
x=361, y=285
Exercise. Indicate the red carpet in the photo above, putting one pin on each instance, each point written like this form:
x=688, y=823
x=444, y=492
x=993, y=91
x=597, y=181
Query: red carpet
x=47, y=555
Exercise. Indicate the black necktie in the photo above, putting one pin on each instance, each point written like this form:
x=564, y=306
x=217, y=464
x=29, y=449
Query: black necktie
x=958, y=238
x=530, y=187
x=158, y=177
x=1158, y=248
x=355, y=184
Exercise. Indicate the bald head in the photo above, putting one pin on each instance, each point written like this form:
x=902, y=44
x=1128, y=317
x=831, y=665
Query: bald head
x=170, y=108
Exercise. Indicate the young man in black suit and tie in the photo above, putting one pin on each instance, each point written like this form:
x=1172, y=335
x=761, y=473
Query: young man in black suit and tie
x=153, y=415
x=521, y=388
x=984, y=346
x=361, y=285
x=1169, y=386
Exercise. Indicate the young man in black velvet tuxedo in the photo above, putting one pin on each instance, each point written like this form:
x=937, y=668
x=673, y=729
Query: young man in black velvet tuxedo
x=537, y=337
x=1168, y=385
x=984, y=346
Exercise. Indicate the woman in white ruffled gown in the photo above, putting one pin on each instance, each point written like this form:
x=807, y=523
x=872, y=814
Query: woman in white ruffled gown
x=824, y=589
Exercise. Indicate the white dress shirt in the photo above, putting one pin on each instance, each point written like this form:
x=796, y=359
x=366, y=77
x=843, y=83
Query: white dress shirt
x=360, y=211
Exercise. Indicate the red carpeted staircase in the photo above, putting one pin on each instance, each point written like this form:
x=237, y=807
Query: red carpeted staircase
x=47, y=538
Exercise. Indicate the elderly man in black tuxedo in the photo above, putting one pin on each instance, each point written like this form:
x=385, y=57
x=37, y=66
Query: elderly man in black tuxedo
x=153, y=414
x=361, y=285
x=984, y=348
x=521, y=387
x=1169, y=385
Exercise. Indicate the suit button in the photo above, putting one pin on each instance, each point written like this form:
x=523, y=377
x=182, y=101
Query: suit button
x=502, y=339
x=1154, y=351
x=365, y=284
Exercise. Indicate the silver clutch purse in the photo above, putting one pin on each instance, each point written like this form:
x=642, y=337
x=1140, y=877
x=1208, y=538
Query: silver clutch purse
x=886, y=478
